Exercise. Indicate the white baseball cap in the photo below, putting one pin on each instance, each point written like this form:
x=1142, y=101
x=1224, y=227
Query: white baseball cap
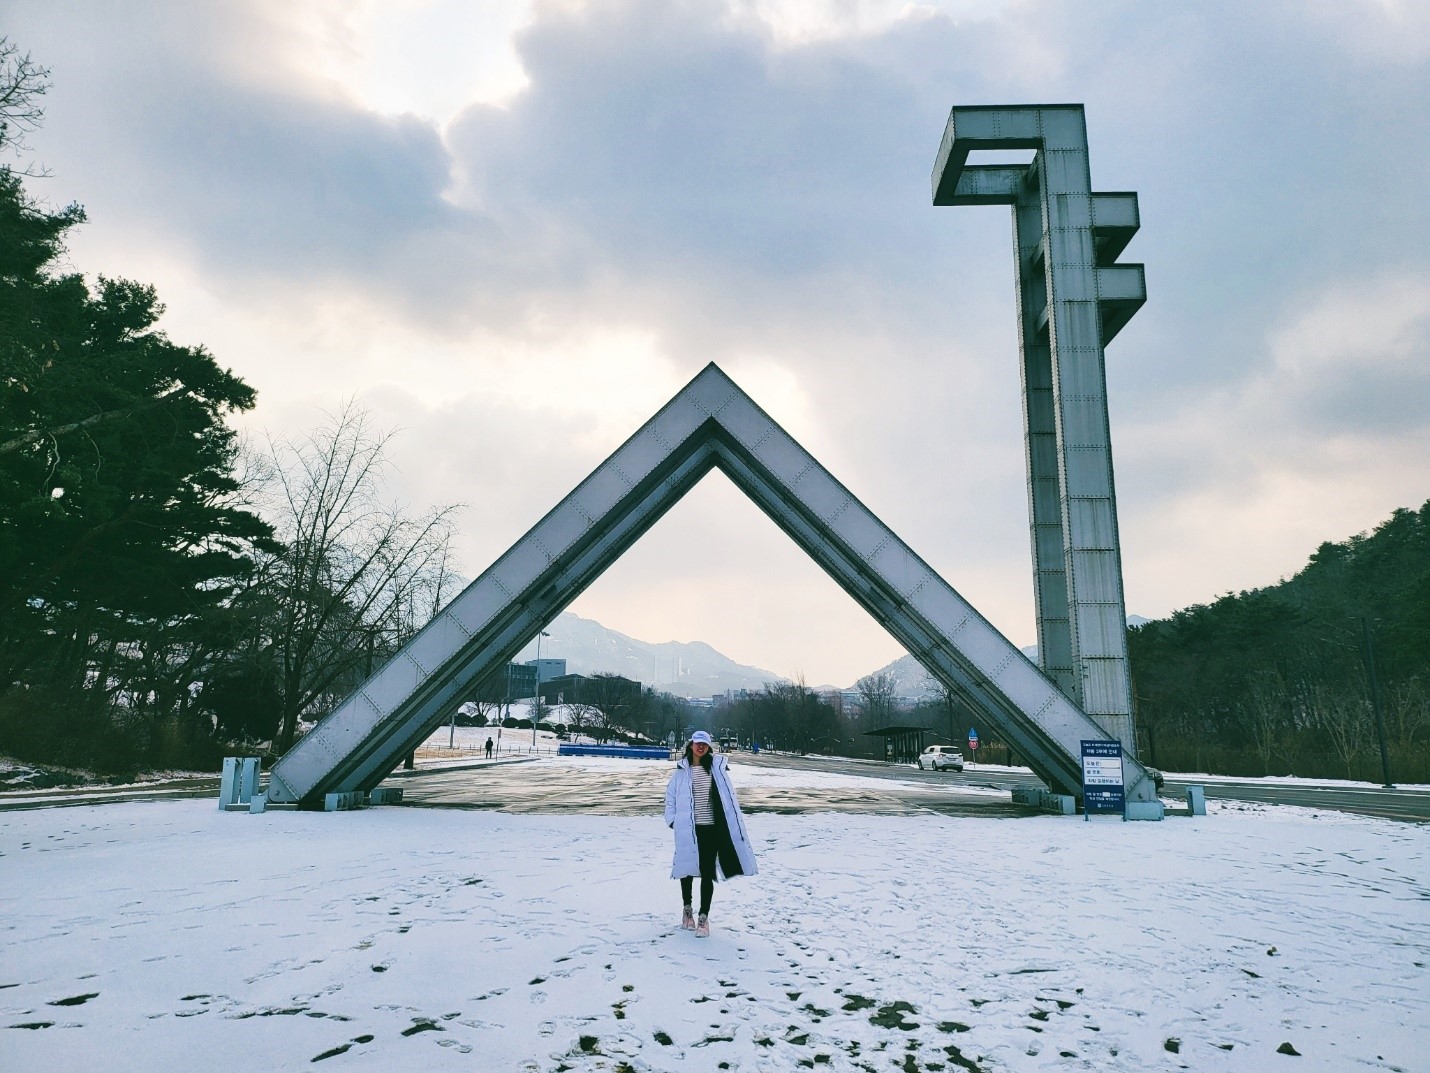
x=701, y=736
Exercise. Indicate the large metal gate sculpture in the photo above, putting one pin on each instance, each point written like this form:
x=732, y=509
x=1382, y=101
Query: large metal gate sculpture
x=1072, y=300
x=710, y=423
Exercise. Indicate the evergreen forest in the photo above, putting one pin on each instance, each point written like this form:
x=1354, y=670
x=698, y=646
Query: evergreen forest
x=1287, y=680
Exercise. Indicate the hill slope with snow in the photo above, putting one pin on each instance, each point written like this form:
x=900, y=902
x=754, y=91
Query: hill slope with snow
x=686, y=669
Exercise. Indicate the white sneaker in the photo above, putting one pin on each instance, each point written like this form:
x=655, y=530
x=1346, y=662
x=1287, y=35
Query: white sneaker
x=702, y=929
x=687, y=919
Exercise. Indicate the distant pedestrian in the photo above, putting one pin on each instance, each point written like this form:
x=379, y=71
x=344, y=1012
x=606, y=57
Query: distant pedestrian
x=489, y=748
x=710, y=838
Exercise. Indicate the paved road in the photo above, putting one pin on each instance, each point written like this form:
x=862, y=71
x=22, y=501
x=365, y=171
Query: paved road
x=1397, y=804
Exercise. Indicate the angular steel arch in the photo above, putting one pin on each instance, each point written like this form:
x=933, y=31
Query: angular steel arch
x=709, y=423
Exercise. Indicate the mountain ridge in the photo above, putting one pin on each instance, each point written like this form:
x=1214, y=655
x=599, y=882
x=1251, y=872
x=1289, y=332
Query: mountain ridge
x=691, y=669
x=914, y=682
x=696, y=670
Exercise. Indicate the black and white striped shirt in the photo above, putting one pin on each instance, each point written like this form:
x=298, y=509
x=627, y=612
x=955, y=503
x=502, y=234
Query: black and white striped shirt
x=700, y=787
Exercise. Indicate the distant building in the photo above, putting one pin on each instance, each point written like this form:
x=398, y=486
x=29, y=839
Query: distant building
x=731, y=696
x=901, y=744
x=547, y=668
x=564, y=689
x=515, y=681
x=602, y=690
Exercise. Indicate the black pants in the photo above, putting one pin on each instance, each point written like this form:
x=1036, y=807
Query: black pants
x=707, y=842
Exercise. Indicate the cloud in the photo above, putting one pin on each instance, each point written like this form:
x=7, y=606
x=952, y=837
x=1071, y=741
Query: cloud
x=1364, y=326
x=1354, y=363
x=520, y=281
x=1327, y=436
x=1397, y=31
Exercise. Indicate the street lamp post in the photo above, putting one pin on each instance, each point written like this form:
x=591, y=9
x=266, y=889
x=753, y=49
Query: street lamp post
x=505, y=708
x=536, y=703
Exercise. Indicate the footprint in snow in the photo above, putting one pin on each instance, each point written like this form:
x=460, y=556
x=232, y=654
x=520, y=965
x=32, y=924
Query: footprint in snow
x=342, y=1048
x=75, y=1000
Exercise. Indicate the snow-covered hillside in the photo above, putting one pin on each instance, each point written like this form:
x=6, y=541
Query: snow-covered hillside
x=687, y=669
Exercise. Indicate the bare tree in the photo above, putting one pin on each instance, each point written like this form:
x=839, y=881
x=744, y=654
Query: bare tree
x=1343, y=719
x=614, y=699
x=665, y=715
x=490, y=698
x=814, y=723
x=582, y=717
x=950, y=703
x=486, y=709
x=1409, y=712
x=788, y=715
x=357, y=575
x=22, y=83
x=876, y=699
x=1264, y=715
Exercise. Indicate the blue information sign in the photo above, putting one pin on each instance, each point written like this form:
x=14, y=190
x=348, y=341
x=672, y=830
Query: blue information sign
x=973, y=739
x=1102, y=787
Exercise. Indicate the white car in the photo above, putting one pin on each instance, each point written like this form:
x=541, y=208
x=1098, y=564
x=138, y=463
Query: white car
x=941, y=758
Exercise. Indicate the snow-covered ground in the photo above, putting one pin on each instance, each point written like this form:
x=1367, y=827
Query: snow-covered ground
x=170, y=936
x=505, y=740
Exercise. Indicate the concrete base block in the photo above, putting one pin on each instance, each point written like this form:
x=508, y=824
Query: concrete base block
x=1061, y=804
x=385, y=795
x=1143, y=810
x=344, y=801
x=238, y=784
x=1196, y=801
x=259, y=803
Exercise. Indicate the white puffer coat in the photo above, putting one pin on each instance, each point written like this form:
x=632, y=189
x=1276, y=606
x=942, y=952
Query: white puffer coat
x=680, y=817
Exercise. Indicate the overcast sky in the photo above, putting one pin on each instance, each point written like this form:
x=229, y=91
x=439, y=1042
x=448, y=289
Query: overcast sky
x=514, y=229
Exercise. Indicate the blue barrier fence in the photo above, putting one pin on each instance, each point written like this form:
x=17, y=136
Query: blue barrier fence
x=629, y=752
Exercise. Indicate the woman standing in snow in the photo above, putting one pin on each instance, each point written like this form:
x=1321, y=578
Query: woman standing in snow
x=710, y=839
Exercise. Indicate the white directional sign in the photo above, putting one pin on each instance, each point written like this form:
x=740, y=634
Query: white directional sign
x=1102, y=771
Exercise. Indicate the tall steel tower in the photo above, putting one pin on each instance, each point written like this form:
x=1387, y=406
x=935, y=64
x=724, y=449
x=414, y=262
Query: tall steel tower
x=1072, y=299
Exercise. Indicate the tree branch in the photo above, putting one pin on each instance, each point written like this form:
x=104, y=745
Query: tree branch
x=26, y=439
